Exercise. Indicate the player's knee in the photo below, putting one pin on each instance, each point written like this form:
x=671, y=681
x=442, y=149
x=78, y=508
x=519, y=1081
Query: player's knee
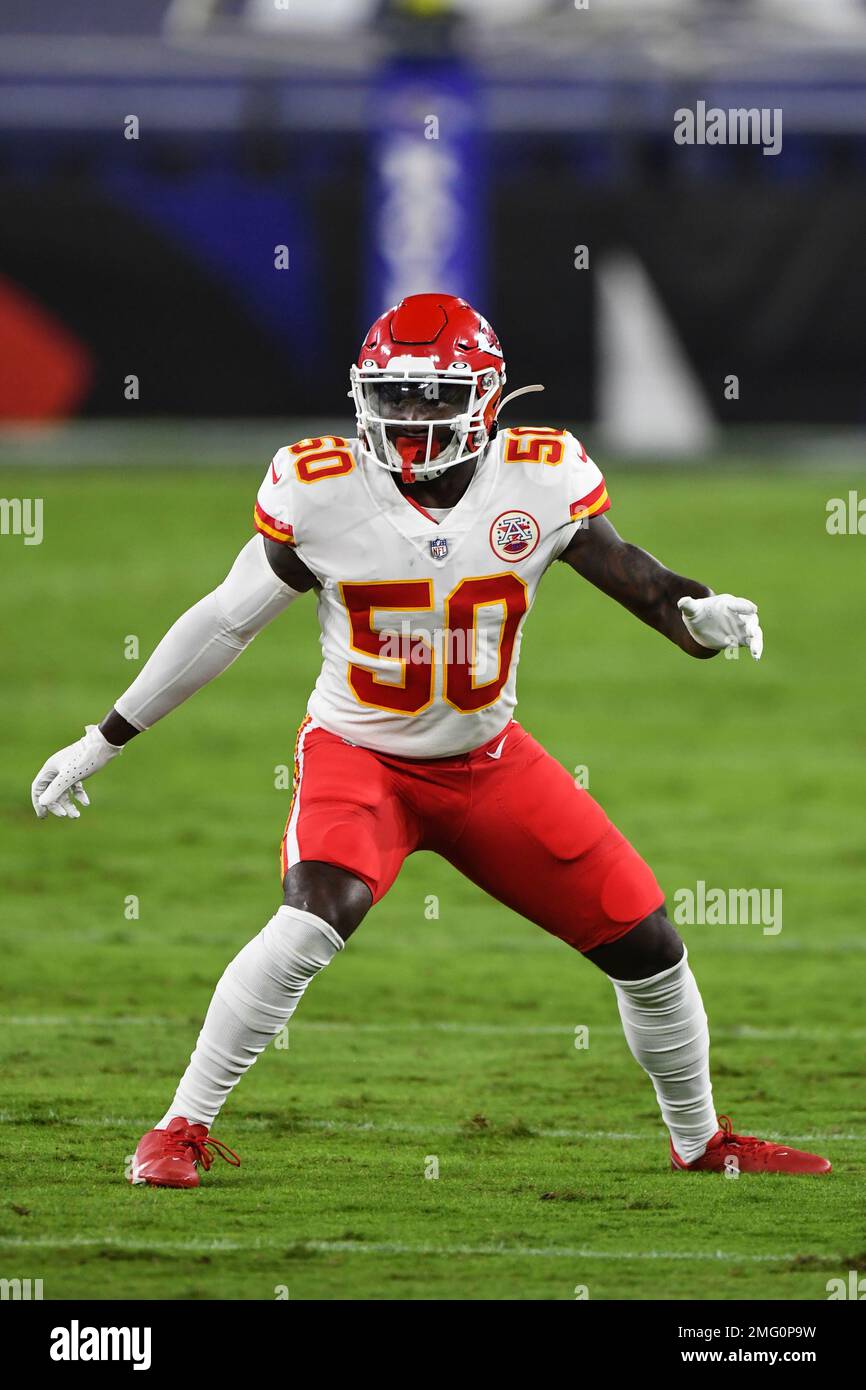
x=649, y=948
x=658, y=941
x=340, y=898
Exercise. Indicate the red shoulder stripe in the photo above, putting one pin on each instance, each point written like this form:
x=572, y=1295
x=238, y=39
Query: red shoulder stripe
x=593, y=503
x=269, y=526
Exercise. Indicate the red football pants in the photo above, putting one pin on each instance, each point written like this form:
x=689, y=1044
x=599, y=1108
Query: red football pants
x=507, y=815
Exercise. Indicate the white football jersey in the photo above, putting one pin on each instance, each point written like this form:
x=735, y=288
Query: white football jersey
x=422, y=618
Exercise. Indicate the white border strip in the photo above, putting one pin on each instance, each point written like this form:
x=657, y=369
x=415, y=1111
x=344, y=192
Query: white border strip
x=293, y=854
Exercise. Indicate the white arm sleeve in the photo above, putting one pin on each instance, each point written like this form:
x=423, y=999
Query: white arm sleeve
x=207, y=638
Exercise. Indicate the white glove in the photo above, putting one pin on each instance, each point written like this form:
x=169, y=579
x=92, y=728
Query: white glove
x=61, y=778
x=723, y=621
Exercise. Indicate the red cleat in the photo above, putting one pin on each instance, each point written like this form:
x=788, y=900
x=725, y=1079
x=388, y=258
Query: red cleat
x=749, y=1155
x=170, y=1157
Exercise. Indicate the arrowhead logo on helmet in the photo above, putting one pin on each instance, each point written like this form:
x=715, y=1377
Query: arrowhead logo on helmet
x=427, y=386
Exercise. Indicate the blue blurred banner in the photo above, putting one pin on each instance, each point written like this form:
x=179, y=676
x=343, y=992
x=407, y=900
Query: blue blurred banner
x=426, y=202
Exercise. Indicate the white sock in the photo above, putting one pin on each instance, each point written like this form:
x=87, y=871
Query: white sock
x=666, y=1029
x=257, y=995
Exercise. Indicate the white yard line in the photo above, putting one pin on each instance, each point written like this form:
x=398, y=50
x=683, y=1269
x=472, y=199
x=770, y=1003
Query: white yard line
x=351, y=1247
x=137, y=1123
x=744, y=1032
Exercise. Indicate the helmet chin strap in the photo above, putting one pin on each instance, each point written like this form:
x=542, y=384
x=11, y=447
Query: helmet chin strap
x=521, y=391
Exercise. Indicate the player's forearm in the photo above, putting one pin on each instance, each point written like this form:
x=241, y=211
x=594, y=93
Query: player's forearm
x=637, y=580
x=201, y=644
x=652, y=593
x=195, y=650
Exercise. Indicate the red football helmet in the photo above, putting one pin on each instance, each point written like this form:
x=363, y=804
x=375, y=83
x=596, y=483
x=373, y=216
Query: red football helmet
x=427, y=386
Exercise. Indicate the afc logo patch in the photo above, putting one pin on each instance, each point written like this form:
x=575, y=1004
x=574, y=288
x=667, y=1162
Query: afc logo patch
x=514, y=535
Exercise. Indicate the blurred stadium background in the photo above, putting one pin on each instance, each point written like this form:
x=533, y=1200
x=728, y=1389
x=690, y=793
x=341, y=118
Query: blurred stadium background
x=392, y=145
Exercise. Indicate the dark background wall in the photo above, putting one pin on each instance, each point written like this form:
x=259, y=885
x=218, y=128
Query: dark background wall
x=155, y=256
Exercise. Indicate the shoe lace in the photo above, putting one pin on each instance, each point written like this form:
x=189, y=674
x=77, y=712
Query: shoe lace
x=200, y=1144
x=743, y=1141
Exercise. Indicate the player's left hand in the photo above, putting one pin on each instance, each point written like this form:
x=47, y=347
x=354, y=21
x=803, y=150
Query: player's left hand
x=723, y=621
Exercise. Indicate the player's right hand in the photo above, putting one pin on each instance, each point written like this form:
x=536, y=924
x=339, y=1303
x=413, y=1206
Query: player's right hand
x=722, y=620
x=62, y=777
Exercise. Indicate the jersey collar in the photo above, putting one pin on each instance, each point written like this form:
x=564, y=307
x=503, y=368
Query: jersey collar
x=411, y=520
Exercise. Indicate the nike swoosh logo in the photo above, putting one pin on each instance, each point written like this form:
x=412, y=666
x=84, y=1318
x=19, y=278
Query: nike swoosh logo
x=497, y=751
x=274, y=474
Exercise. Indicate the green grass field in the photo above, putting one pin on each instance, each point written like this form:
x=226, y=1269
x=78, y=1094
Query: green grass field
x=451, y=1037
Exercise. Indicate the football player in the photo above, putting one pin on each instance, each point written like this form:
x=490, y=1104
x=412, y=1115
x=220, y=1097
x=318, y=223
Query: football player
x=424, y=540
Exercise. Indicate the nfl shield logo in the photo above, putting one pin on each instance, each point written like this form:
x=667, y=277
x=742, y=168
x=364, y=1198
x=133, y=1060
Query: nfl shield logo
x=438, y=547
